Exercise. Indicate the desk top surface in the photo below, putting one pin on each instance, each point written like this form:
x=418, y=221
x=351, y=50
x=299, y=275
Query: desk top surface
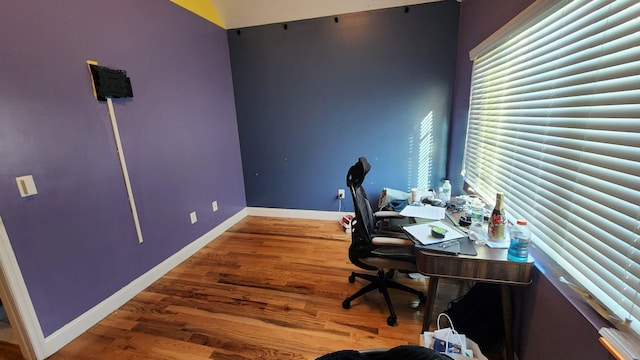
x=489, y=265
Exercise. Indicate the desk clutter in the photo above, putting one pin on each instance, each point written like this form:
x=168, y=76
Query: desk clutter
x=468, y=216
x=436, y=229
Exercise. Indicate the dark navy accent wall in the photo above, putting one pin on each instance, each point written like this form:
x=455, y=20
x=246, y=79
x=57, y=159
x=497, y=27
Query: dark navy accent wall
x=75, y=241
x=315, y=96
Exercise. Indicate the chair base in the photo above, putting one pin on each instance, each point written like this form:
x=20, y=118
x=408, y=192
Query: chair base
x=381, y=282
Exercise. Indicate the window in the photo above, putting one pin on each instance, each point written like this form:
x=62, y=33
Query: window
x=554, y=123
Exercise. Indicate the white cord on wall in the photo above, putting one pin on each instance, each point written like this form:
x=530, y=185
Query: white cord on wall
x=123, y=166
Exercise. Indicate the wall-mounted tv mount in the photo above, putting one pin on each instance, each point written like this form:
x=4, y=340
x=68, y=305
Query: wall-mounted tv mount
x=107, y=84
x=110, y=83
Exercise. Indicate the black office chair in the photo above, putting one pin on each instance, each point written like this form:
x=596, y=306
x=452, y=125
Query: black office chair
x=404, y=352
x=372, y=249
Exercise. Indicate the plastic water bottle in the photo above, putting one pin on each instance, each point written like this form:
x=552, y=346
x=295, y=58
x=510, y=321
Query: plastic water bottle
x=476, y=231
x=520, y=237
x=477, y=211
x=446, y=190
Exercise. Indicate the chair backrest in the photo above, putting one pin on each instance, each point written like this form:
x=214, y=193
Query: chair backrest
x=361, y=204
x=364, y=221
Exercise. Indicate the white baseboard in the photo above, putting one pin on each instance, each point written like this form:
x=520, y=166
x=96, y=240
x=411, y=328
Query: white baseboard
x=16, y=299
x=75, y=328
x=296, y=213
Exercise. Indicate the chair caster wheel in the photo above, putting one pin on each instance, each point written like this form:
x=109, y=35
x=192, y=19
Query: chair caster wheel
x=352, y=279
x=346, y=304
x=391, y=320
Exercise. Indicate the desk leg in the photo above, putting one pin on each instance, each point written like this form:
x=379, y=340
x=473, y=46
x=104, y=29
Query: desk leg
x=429, y=304
x=507, y=316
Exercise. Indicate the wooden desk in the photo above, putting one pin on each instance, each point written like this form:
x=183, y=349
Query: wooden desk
x=490, y=265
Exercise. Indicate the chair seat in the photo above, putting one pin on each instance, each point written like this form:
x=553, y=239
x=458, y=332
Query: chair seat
x=393, y=241
x=386, y=263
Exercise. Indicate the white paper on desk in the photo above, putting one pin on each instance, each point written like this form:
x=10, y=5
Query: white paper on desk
x=425, y=212
x=422, y=233
x=498, y=244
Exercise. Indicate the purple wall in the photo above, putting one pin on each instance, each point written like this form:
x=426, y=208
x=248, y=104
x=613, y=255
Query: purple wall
x=547, y=324
x=75, y=241
x=551, y=323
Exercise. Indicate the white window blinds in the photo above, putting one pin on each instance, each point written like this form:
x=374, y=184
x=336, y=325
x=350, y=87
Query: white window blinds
x=554, y=123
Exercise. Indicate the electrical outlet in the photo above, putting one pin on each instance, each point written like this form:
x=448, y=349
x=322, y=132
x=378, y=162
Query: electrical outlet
x=214, y=206
x=340, y=193
x=194, y=217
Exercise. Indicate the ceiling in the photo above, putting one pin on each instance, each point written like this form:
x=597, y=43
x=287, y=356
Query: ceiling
x=232, y=14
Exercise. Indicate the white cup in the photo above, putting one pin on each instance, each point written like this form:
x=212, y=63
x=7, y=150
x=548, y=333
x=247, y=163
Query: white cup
x=416, y=195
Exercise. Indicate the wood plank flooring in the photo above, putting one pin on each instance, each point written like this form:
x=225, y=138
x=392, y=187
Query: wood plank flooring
x=268, y=288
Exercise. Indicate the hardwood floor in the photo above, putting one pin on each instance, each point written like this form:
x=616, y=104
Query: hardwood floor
x=268, y=288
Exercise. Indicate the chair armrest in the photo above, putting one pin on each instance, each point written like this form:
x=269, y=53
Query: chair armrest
x=390, y=241
x=398, y=234
x=387, y=214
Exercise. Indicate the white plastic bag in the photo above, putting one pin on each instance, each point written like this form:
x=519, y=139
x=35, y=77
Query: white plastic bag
x=450, y=342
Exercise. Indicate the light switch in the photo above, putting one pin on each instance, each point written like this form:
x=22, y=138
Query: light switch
x=26, y=185
x=194, y=217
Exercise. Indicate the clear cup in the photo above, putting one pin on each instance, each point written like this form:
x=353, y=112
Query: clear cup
x=416, y=195
x=477, y=211
x=477, y=232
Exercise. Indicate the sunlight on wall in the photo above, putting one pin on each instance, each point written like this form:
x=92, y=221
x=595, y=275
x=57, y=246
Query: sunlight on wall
x=424, y=160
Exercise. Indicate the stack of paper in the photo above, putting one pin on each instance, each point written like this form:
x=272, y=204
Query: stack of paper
x=422, y=233
x=424, y=212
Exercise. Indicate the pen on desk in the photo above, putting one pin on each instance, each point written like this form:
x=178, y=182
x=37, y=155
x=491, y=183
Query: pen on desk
x=449, y=243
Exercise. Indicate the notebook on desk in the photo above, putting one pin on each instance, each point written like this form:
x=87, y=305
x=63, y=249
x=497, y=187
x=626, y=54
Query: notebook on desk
x=453, y=243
